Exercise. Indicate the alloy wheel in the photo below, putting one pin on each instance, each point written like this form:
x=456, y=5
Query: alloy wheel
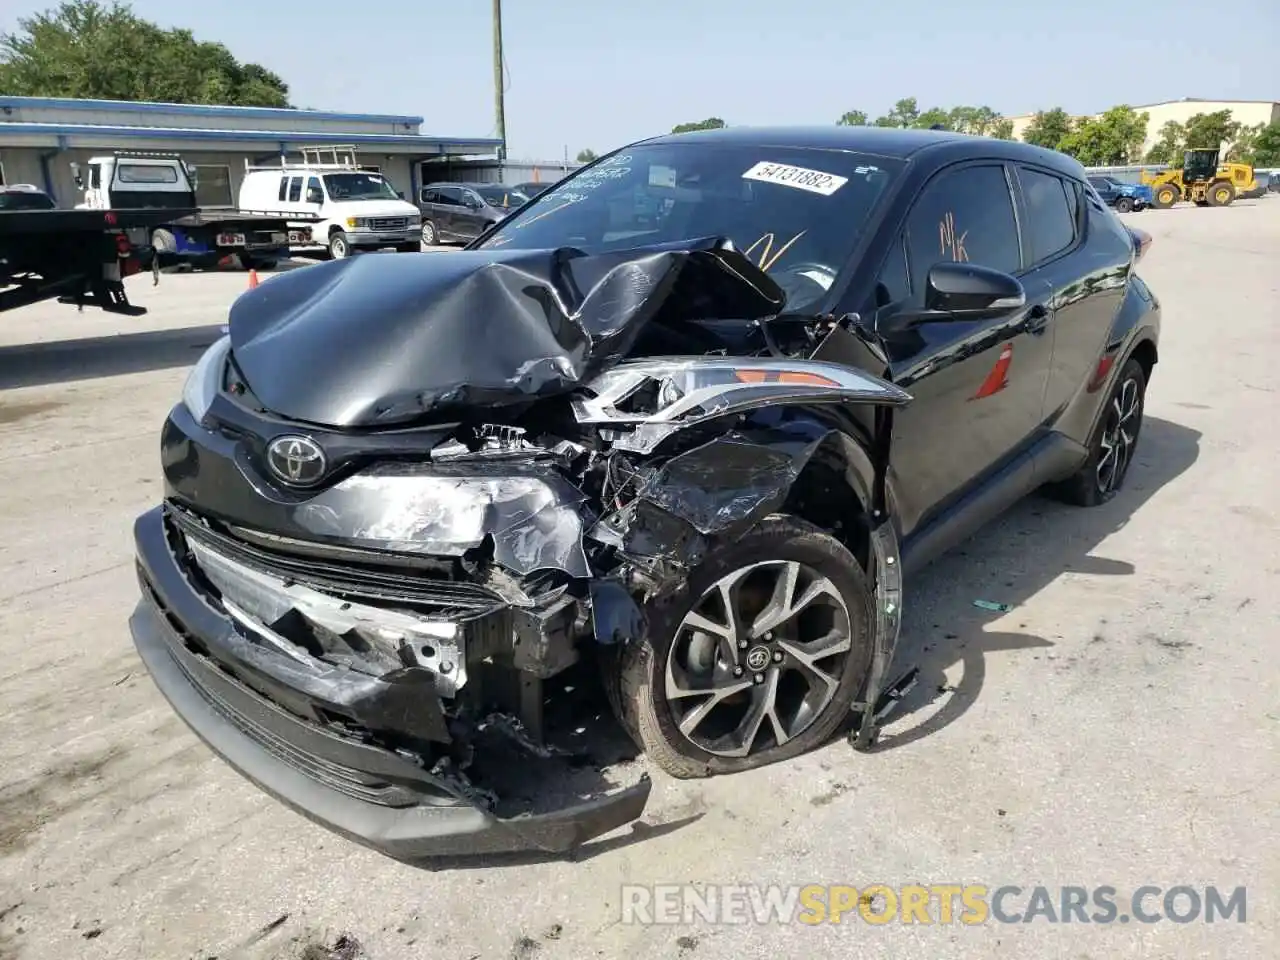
x=758, y=658
x=1119, y=436
x=428, y=234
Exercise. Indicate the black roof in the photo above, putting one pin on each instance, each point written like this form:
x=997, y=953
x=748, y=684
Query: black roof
x=903, y=143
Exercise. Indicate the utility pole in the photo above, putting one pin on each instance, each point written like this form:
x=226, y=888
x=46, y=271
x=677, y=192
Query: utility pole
x=499, y=80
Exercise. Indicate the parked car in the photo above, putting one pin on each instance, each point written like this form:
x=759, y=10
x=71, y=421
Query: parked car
x=24, y=196
x=462, y=211
x=1123, y=196
x=407, y=498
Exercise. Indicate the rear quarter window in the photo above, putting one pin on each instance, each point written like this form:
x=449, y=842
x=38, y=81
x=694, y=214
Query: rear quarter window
x=1052, y=213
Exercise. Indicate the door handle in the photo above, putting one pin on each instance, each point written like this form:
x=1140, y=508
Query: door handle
x=1037, y=320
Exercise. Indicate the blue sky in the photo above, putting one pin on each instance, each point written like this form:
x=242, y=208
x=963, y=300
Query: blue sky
x=599, y=74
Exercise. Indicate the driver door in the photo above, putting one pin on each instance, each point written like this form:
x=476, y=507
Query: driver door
x=978, y=386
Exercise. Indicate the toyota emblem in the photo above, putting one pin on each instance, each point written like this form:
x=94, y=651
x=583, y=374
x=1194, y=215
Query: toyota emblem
x=297, y=461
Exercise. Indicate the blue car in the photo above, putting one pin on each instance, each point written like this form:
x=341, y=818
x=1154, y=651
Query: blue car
x=1123, y=196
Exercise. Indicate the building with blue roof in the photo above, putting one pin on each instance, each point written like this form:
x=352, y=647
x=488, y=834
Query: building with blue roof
x=40, y=137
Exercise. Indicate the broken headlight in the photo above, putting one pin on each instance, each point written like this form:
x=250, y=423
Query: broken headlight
x=205, y=379
x=645, y=400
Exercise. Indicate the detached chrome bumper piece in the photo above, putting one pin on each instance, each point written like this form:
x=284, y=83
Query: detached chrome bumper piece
x=282, y=718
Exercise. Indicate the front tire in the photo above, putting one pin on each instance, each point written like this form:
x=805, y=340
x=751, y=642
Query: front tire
x=1221, y=194
x=1114, y=441
x=339, y=246
x=1165, y=196
x=755, y=659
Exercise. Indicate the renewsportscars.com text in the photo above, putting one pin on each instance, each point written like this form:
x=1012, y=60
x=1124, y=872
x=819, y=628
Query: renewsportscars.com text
x=945, y=903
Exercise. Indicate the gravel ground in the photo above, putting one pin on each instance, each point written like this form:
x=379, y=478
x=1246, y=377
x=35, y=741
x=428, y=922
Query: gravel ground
x=1118, y=726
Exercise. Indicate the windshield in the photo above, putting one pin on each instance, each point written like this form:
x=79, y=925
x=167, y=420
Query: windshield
x=794, y=212
x=358, y=186
x=504, y=198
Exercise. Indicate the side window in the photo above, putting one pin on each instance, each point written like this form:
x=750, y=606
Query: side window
x=95, y=176
x=470, y=198
x=430, y=196
x=450, y=196
x=295, y=189
x=963, y=216
x=1051, y=221
x=284, y=187
x=1073, y=204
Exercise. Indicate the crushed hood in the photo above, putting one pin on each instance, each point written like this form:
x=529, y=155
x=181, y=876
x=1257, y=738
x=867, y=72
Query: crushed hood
x=381, y=339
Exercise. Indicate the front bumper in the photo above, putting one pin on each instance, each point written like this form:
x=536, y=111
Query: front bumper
x=250, y=704
x=379, y=238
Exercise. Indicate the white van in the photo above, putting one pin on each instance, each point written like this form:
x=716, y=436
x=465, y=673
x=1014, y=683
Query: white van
x=360, y=210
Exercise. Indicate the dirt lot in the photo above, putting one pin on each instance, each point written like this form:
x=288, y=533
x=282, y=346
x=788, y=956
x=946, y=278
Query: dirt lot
x=1118, y=726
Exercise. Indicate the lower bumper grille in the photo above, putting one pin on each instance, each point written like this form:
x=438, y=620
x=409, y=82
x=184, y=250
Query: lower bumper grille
x=237, y=705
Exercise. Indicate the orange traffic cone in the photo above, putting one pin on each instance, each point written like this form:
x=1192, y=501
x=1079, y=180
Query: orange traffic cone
x=253, y=279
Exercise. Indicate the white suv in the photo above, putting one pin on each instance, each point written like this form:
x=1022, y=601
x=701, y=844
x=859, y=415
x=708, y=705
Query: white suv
x=360, y=208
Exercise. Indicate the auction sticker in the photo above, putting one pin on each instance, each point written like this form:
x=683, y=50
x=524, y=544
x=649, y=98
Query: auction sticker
x=815, y=181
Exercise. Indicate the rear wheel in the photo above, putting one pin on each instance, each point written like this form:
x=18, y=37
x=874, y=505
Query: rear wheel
x=1114, y=441
x=757, y=658
x=1221, y=194
x=1124, y=204
x=429, y=236
x=1165, y=196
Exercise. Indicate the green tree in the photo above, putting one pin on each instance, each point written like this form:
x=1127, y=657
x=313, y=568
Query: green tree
x=1002, y=129
x=1209, y=131
x=711, y=123
x=1244, y=147
x=1169, y=144
x=980, y=121
x=1266, y=146
x=934, y=117
x=1112, y=139
x=1048, y=128
x=84, y=48
x=587, y=155
x=905, y=113
x=852, y=118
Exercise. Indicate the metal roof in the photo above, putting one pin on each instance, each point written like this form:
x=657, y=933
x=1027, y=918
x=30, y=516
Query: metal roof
x=23, y=128
x=197, y=110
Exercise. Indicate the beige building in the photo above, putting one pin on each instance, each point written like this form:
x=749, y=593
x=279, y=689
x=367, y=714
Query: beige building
x=1250, y=113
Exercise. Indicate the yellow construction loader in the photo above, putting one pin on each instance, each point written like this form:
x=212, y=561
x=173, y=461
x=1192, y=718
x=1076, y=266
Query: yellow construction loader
x=1202, y=180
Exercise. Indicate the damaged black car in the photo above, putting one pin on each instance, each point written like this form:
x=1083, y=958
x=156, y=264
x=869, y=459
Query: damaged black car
x=676, y=429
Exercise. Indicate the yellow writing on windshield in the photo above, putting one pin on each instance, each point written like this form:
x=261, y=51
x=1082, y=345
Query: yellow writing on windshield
x=767, y=261
x=949, y=243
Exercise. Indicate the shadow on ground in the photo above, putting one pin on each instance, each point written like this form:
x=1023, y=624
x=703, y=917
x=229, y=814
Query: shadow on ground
x=1056, y=539
x=63, y=361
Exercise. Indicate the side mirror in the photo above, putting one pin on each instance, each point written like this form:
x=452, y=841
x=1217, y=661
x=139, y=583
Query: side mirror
x=400, y=194
x=76, y=176
x=315, y=196
x=958, y=292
